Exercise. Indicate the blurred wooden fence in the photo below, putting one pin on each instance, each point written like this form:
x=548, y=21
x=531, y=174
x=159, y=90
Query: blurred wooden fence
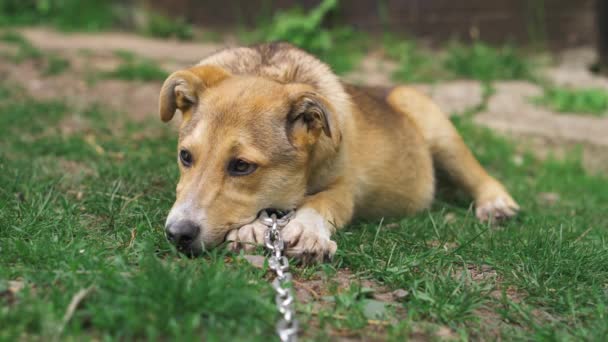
x=560, y=23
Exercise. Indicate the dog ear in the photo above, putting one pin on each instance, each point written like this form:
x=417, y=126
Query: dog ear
x=311, y=115
x=182, y=88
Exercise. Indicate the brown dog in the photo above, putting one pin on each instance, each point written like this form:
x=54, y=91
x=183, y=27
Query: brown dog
x=270, y=126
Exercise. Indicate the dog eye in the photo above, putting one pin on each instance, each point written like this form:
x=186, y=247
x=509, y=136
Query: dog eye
x=185, y=157
x=239, y=167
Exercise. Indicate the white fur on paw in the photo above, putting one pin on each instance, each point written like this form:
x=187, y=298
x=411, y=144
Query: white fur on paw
x=308, y=237
x=496, y=209
x=247, y=238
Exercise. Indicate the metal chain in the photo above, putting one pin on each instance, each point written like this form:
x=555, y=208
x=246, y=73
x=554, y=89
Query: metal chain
x=287, y=327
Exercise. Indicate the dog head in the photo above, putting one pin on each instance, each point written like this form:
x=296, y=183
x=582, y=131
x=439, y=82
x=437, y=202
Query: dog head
x=246, y=143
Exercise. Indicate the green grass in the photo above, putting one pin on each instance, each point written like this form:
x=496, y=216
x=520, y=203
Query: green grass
x=415, y=64
x=340, y=47
x=68, y=15
x=485, y=63
x=477, y=61
x=158, y=25
x=586, y=101
x=92, y=16
x=74, y=216
x=56, y=65
x=135, y=68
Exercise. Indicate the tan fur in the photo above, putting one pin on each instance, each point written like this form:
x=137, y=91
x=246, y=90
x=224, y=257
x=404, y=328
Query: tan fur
x=331, y=151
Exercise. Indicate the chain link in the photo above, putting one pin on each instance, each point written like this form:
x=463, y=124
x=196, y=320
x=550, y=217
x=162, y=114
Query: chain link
x=287, y=327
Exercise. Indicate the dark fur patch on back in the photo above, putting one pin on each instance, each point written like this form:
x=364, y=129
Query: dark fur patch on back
x=269, y=50
x=279, y=61
x=373, y=105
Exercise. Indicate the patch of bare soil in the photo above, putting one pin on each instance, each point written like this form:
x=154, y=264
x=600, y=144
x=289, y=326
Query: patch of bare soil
x=186, y=52
x=573, y=69
x=490, y=322
x=318, y=292
x=320, y=286
x=594, y=157
x=510, y=111
x=138, y=100
x=9, y=291
x=316, y=287
x=484, y=273
x=374, y=70
x=454, y=97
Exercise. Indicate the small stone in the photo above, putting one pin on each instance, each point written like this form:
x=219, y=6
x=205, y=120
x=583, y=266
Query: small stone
x=256, y=261
x=393, y=296
x=400, y=294
x=486, y=268
x=303, y=296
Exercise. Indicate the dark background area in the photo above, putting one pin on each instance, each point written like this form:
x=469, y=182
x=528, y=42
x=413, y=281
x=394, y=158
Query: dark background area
x=556, y=23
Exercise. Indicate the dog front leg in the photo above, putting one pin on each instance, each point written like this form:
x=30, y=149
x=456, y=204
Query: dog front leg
x=308, y=234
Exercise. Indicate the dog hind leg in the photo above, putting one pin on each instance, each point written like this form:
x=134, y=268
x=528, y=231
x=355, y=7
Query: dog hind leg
x=451, y=155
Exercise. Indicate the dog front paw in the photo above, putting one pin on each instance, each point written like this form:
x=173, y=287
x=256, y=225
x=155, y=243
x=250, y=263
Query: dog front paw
x=308, y=237
x=246, y=238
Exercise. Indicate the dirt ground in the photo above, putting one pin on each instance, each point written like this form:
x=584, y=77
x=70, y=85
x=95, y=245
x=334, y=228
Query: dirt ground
x=508, y=109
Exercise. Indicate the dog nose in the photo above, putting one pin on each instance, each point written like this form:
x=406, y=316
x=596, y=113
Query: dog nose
x=182, y=233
